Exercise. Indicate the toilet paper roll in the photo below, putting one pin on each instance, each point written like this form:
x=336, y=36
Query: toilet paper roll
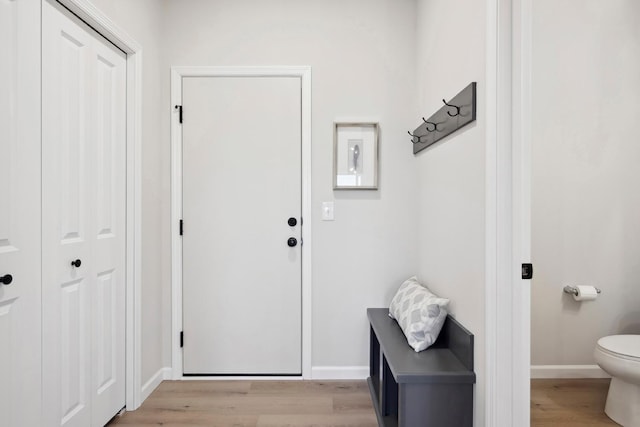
x=586, y=293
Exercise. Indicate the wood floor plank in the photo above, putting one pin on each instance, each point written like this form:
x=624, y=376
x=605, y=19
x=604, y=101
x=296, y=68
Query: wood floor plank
x=308, y=387
x=247, y=404
x=318, y=421
x=569, y=403
x=357, y=403
x=200, y=388
x=166, y=417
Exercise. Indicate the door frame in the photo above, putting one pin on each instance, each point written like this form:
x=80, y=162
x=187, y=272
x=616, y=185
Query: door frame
x=177, y=73
x=91, y=15
x=508, y=212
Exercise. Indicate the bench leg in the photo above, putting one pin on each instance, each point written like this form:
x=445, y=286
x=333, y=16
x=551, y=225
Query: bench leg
x=374, y=355
x=389, y=395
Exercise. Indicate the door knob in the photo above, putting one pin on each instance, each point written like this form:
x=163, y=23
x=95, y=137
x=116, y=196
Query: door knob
x=76, y=263
x=292, y=222
x=6, y=279
x=292, y=242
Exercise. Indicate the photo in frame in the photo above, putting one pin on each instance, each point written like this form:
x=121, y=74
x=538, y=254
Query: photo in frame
x=355, y=156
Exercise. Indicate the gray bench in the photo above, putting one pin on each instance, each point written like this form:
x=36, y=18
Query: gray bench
x=431, y=388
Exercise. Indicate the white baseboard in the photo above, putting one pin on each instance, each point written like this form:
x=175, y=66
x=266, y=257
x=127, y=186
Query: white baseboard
x=339, y=372
x=567, y=371
x=154, y=382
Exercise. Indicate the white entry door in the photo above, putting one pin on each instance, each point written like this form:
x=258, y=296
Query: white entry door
x=83, y=225
x=20, y=321
x=241, y=257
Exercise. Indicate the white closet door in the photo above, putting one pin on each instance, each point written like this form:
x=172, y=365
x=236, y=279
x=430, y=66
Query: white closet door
x=20, y=321
x=66, y=187
x=83, y=167
x=107, y=136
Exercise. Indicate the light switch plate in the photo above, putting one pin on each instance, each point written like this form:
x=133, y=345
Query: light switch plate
x=327, y=211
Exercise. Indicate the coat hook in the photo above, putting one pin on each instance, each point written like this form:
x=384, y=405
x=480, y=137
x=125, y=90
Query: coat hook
x=415, y=136
x=435, y=125
x=454, y=106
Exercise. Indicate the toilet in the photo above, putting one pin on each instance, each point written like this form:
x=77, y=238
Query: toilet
x=619, y=356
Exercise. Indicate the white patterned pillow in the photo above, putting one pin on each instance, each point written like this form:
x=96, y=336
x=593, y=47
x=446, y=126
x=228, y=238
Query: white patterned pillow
x=419, y=313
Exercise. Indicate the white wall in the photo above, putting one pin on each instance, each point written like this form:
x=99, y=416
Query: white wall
x=362, y=56
x=142, y=20
x=365, y=56
x=451, y=173
x=586, y=203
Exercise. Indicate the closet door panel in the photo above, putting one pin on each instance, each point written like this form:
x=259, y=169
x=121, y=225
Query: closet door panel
x=105, y=137
x=104, y=333
x=72, y=138
x=66, y=215
x=73, y=356
x=108, y=134
x=20, y=297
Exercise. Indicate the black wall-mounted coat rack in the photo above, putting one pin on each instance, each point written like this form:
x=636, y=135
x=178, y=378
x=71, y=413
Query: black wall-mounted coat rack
x=454, y=114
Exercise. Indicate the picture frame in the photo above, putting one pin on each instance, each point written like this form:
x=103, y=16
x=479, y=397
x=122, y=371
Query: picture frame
x=355, y=156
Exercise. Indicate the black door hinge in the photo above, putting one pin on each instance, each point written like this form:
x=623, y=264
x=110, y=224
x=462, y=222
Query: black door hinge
x=527, y=271
x=181, y=339
x=179, y=108
x=181, y=228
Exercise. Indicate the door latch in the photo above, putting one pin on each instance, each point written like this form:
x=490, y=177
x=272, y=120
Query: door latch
x=527, y=271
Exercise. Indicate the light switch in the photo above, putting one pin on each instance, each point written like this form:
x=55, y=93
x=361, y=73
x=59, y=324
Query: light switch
x=327, y=211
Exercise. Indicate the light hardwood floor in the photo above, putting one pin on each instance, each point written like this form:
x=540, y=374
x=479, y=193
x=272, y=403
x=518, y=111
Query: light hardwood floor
x=255, y=404
x=569, y=403
x=565, y=403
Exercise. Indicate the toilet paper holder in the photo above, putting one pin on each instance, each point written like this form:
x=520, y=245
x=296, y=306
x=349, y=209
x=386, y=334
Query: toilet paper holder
x=572, y=290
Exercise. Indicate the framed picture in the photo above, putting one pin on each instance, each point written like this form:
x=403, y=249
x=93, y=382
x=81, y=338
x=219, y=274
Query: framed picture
x=355, y=156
